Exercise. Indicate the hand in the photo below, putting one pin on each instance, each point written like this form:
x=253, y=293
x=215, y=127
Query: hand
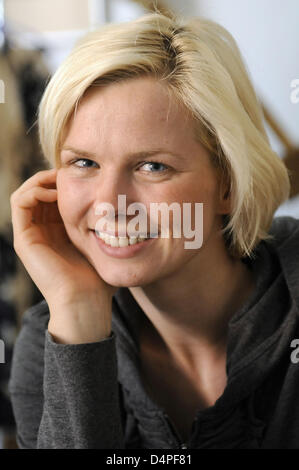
x=72, y=288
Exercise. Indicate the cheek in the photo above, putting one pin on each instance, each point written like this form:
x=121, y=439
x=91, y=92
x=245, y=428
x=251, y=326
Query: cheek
x=72, y=198
x=196, y=191
x=199, y=190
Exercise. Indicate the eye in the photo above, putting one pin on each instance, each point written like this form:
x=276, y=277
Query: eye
x=84, y=163
x=155, y=167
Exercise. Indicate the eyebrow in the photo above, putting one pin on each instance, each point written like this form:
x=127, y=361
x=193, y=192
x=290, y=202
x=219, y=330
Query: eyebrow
x=140, y=154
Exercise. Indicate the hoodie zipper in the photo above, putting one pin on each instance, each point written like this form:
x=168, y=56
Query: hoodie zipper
x=180, y=443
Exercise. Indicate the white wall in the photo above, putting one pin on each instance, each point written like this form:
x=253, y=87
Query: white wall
x=123, y=10
x=44, y=15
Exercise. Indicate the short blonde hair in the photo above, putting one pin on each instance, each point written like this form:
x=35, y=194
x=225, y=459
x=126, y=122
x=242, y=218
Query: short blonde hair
x=202, y=65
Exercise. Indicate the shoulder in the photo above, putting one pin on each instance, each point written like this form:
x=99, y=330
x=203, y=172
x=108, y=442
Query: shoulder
x=285, y=241
x=27, y=373
x=284, y=229
x=28, y=354
x=285, y=232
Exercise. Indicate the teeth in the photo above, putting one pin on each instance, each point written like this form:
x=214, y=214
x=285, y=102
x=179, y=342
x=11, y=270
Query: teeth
x=123, y=241
x=132, y=240
x=119, y=241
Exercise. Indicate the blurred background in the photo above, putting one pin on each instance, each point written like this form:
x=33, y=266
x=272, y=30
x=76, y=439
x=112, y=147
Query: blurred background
x=35, y=37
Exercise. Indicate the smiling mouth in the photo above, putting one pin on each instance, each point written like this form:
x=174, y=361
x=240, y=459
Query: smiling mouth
x=120, y=241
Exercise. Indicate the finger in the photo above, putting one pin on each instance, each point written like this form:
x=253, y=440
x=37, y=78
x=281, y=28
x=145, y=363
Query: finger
x=23, y=207
x=38, y=179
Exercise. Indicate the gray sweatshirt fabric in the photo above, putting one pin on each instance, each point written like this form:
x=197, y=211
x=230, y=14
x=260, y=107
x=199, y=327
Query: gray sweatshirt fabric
x=92, y=396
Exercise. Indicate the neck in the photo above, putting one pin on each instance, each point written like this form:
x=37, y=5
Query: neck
x=188, y=313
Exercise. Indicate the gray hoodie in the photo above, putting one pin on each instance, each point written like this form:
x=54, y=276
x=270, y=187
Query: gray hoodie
x=92, y=395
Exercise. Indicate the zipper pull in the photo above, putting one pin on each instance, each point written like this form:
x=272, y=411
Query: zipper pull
x=182, y=445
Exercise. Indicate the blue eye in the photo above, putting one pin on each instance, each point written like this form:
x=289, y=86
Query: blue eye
x=85, y=163
x=156, y=167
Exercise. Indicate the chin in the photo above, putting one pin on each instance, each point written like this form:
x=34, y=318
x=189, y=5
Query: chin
x=125, y=279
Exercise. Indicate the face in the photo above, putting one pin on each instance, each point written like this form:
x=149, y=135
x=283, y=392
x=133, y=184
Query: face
x=133, y=138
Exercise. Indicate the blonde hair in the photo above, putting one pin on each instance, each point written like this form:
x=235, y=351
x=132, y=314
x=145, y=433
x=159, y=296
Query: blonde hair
x=202, y=65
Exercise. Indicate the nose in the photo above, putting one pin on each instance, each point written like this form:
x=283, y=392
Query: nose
x=108, y=186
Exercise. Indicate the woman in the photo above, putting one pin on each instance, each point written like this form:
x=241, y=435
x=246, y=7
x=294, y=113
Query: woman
x=143, y=343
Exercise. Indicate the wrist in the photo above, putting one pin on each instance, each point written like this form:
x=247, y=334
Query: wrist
x=80, y=322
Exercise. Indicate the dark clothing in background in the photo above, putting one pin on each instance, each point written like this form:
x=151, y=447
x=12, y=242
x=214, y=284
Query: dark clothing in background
x=8, y=332
x=7, y=335
x=92, y=395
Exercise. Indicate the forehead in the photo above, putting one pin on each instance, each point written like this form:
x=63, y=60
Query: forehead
x=143, y=93
x=135, y=105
